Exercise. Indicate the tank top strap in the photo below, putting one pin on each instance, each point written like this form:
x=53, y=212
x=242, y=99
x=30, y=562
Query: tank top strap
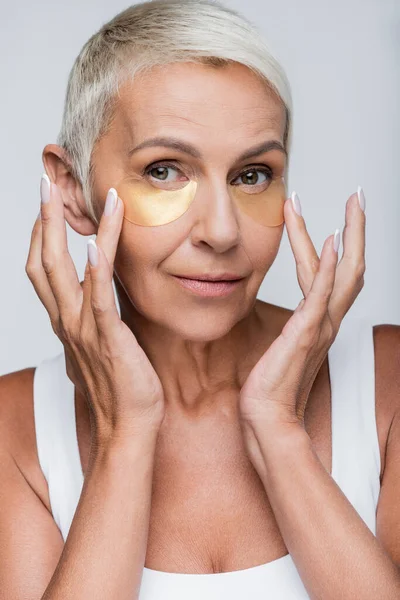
x=355, y=456
x=55, y=425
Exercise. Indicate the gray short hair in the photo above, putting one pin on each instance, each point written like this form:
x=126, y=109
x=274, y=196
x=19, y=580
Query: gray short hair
x=149, y=34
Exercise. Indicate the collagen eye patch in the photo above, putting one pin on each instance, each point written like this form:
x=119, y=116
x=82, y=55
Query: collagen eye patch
x=151, y=206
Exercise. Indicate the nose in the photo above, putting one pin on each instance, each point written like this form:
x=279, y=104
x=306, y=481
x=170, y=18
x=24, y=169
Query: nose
x=216, y=220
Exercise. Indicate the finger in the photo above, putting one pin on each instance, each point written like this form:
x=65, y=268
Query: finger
x=102, y=294
x=317, y=301
x=305, y=255
x=87, y=318
x=110, y=226
x=351, y=268
x=36, y=274
x=290, y=349
x=57, y=262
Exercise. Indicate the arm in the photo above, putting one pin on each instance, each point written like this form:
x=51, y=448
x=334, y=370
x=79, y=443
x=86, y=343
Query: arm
x=105, y=550
x=336, y=554
x=103, y=555
x=318, y=526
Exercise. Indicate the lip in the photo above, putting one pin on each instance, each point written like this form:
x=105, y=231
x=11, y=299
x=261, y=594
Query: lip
x=209, y=288
x=212, y=277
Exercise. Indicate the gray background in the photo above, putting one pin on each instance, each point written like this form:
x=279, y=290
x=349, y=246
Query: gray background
x=342, y=60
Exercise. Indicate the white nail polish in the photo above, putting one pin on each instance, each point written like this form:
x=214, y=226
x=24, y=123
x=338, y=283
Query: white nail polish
x=296, y=203
x=336, y=240
x=361, y=197
x=45, y=189
x=111, y=202
x=92, y=252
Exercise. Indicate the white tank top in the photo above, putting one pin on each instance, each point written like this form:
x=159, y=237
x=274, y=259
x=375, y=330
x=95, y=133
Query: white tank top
x=355, y=467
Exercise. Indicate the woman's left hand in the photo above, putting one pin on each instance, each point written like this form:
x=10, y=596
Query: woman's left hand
x=276, y=391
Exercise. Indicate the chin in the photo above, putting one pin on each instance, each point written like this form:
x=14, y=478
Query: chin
x=206, y=323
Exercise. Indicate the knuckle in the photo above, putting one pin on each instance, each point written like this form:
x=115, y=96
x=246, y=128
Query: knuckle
x=329, y=333
x=309, y=332
x=51, y=260
x=99, y=308
x=360, y=270
x=304, y=332
x=314, y=265
x=45, y=216
x=31, y=270
x=86, y=337
x=65, y=330
x=55, y=328
x=49, y=263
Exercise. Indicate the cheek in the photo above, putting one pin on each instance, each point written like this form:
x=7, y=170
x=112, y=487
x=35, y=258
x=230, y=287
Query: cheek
x=140, y=250
x=262, y=247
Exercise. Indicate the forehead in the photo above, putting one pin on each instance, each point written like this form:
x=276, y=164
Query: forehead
x=230, y=101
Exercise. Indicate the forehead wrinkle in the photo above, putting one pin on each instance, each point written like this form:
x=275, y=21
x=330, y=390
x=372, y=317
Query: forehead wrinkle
x=259, y=123
x=251, y=121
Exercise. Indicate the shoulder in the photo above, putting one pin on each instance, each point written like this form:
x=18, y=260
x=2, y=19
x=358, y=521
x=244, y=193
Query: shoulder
x=387, y=354
x=16, y=395
x=387, y=365
x=17, y=427
x=387, y=374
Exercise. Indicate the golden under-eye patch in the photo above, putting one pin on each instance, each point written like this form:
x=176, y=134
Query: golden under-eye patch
x=265, y=207
x=151, y=206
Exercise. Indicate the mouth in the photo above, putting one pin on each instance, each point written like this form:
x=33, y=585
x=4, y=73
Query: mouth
x=209, y=288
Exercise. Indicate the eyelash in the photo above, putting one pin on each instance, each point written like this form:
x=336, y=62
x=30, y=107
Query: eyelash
x=263, y=168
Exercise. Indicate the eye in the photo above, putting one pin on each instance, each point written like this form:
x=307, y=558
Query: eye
x=159, y=172
x=251, y=177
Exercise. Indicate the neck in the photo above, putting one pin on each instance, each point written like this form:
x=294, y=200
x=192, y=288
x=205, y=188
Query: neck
x=195, y=374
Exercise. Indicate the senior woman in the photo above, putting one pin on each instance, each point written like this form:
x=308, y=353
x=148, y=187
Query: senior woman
x=201, y=443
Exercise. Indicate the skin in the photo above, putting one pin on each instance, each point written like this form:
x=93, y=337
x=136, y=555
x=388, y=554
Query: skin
x=218, y=111
x=204, y=360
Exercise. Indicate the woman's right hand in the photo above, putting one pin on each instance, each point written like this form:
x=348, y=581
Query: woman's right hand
x=103, y=357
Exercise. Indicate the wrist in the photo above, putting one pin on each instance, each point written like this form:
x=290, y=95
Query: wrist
x=270, y=442
x=133, y=451
x=114, y=439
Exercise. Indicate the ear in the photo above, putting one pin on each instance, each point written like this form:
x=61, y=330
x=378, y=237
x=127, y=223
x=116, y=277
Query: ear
x=57, y=165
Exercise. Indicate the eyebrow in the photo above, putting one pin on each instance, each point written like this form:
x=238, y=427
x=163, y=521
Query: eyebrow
x=176, y=144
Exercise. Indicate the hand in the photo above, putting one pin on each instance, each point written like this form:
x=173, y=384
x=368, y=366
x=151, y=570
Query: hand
x=277, y=389
x=103, y=357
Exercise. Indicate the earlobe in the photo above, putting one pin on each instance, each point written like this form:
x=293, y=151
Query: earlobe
x=58, y=168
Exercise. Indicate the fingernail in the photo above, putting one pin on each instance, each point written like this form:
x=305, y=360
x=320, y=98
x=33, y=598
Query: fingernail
x=361, y=198
x=296, y=203
x=111, y=202
x=92, y=252
x=44, y=189
x=336, y=240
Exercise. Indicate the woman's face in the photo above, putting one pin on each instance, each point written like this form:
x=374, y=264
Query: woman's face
x=221, y=113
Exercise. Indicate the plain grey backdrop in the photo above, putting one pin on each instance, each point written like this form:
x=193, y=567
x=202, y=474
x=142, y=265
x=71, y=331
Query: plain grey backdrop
x=342, y=58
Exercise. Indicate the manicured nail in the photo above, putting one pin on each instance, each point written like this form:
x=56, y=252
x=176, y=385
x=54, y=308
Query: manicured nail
x=111, y=202
x=296, y=203
x=92, y=252
x=361, y=197
x=44, y=189
x=336, y=240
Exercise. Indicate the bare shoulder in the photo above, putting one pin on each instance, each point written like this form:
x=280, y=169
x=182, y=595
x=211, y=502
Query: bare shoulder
x=387, y=358
x=387, y=383
x=387, y=373
x=17, y=427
